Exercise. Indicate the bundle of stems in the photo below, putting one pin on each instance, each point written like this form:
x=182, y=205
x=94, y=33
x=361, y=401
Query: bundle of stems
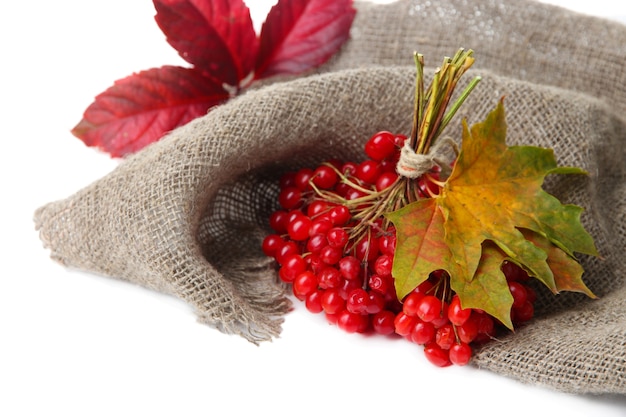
x=430, y=118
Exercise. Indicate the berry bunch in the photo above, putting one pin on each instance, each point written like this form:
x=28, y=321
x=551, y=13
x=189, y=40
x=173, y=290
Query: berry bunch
x=334, y=247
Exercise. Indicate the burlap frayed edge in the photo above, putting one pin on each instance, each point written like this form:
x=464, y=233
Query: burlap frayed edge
x=256, y=282
x=256, y=307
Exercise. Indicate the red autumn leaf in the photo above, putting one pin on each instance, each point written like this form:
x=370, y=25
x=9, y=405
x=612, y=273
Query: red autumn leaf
x=299, y=35
x=216, y=36
x=140, y=108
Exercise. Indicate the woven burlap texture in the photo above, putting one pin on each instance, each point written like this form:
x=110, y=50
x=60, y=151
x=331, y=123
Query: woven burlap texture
x=186, y=215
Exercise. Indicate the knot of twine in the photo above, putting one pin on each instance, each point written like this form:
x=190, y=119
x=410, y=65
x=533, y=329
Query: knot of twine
x=413, y=165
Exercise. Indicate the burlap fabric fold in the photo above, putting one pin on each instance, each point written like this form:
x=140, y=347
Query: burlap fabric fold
x=186, y=215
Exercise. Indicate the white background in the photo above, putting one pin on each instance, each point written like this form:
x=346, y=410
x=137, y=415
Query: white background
x=76, y=344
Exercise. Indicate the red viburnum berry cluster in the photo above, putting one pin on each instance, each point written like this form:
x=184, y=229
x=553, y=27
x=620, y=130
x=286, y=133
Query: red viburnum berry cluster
x=339, y=262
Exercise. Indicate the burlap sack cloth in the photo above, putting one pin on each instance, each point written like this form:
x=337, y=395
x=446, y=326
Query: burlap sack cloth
x=186, y=215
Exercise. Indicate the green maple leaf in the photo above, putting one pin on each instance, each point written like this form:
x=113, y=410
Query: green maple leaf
x=492, y=208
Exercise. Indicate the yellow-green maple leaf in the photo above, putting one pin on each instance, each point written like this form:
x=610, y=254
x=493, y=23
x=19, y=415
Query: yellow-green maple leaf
x=492, y=208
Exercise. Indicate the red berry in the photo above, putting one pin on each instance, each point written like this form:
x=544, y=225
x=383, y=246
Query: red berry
x=271, y=243
x=427, y=186
x=429, y=308
x=383, y=265
x=349, y=169
x=335, y=162
x=287, y=180
x=380, y=146
x=313, y=301
x=386, y=180
x=290, y=197
x=302, y=178
x=278, y=221
x=342, y=189
x=468, y=331
x=518, y=291
x=383, y=322
x=347, y=286
x=388, y=165
x=352, y=322
x=316, y=208
x=354, y=193
x=288, y=248
x=337, y=237
x=404, y=324
x=399, y=140
x=411, y=304
x=332, y=302
x=486, y=328
x=456, y=314
x=298, y=229
x=314, y=262
x=350, y=268
x=523, y=313
x=460, y=354
x=445, y=336
x=329, y=277
x=357, y=301
x=436, y=355
x=381, y=285
x=304, y=284
x=387, y=244
x=376, y=303
x=325, y=177
x=332, y=318
x=442, y=319
x=368, y=171
x=320, y=226
x=316, y=243
x=330, y=255
x=514, y=272
x=292, y=266
x=366, y=249
x=485, y=323
x=423, y=333
x=340, y=215
x=292, y=215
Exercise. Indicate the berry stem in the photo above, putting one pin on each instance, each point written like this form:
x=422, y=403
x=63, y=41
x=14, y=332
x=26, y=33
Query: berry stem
x=430, y=117
x=419, y=98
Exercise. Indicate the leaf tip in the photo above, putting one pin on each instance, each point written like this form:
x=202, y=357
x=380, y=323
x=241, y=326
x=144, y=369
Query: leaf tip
x=81, y=130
